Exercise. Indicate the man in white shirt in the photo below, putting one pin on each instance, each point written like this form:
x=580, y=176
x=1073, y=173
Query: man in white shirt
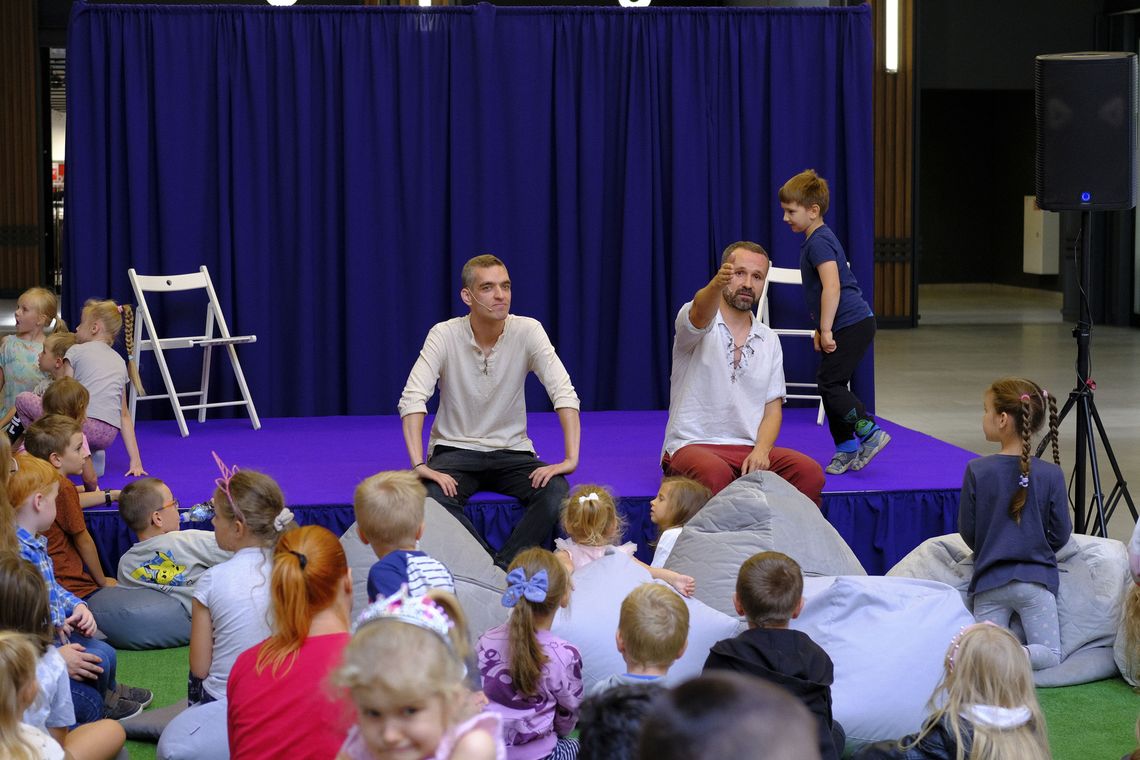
x=478, y=439
x=727, y=387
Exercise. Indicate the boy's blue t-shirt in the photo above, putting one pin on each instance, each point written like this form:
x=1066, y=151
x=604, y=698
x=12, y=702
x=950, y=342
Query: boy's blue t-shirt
x=822, y=247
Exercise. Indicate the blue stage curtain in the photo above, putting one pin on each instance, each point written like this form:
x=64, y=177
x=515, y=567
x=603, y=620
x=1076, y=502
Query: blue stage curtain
x=334, y=167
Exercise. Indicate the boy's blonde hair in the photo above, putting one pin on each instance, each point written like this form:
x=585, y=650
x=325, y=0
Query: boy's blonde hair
x=50, y=435
x=769, y=586
x=68, y=397
x=986, y=665
x=139, y=500
x=590, y=516
x=807, y=189
x=654, y=625
x=58, y=343
x=389, y=507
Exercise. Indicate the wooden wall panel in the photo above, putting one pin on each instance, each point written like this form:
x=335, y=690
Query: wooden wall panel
x=20, y=226
x=894, y=172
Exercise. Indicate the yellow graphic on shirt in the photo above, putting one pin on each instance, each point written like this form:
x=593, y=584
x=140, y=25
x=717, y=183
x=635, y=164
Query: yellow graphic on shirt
x=162, y=570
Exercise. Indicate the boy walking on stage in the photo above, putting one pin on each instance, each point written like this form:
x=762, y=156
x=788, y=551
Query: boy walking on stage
x=845, y=325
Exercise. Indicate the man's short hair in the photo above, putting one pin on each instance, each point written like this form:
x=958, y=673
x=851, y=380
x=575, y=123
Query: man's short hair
x=139, y=500
x=389, y=507
x=747, y=245
x=807, y=189
x=770, y=586
x=610, y=722
x=654, y=625
x=479, y=262
x=49, y=435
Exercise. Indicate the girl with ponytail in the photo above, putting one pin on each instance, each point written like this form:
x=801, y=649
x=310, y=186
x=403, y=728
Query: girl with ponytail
x=278, y=704
x=1014, y=514
x=93, y=361
x=532, y=678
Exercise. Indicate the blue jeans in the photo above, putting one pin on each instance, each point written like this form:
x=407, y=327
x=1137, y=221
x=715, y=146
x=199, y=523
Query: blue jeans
x=508, y=473
x=106, y=680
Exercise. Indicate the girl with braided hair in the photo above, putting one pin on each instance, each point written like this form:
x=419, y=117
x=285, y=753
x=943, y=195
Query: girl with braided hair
x=1014, y=514
x=98, y=367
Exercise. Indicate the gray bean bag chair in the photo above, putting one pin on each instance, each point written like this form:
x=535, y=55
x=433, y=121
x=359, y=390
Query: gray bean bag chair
x=479, y=583
x=759, y=512
x=591, y=620
x=140, y=618
x=1094, y=579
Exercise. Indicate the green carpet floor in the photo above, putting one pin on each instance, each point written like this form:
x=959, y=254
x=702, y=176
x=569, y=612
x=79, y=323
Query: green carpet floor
x=1094, y=720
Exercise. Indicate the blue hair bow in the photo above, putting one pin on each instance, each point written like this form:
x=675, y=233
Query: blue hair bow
x=518, y=587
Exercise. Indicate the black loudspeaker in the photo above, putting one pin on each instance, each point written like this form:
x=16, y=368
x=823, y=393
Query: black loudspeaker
x=1086, y=131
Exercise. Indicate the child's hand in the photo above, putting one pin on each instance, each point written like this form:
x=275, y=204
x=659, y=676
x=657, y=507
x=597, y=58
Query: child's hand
x=136, y=469
x=81, y=664
x=684, y=584
x=82, y=619
x=815, y=341
x=826, y=341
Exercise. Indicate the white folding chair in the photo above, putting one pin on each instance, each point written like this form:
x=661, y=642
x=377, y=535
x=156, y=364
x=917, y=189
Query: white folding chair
x=151, y=341
x=786, y=276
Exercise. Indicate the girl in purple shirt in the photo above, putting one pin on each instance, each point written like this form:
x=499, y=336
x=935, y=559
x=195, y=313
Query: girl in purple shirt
x=532, y=678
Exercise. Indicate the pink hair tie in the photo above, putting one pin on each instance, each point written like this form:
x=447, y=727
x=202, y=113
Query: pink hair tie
x=1024, y=396
x=1044, y=393
x=119, y=307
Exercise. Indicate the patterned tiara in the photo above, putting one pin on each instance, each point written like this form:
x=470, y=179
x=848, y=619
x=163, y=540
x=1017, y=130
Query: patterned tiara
x=420, y=611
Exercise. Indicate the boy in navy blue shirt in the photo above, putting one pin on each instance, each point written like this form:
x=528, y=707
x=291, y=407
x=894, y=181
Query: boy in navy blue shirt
x=389, y=509
x=845, y=325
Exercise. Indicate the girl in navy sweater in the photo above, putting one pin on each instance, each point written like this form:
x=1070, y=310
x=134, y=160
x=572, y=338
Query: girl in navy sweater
x=1014, y=514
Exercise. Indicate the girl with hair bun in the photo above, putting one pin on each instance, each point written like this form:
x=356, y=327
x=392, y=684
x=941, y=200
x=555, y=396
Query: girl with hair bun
x=1014, y=514
x=532, y=678
x=230, y=610
x=283, y=677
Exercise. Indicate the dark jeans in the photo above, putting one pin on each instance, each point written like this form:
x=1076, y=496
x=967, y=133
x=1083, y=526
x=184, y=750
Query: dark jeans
x=843, y=407
x=508, y=473
x=88, y=695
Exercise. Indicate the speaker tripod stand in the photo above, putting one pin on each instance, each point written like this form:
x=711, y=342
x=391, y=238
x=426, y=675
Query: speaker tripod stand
x=1081, y=399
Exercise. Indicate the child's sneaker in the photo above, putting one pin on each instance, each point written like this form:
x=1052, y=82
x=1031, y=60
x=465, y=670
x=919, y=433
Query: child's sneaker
x=871, y=445
x=117, y=708
x=841, y=462
x=135, y=694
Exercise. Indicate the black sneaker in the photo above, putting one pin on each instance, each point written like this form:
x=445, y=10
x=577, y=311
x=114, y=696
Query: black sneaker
x=121, y=709
x=135, y=694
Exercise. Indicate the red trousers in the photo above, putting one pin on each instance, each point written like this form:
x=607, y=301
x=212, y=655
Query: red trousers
x=716, y=466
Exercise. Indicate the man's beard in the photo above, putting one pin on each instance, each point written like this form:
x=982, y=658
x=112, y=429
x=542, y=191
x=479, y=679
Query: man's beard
x=742, y=300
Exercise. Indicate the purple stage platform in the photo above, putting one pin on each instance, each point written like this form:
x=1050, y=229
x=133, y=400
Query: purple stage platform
x=910, y=492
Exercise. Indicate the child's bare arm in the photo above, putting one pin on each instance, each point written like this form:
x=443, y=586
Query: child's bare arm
x=684, y=584
x=127, y=429
x=201, y=639
x=85, y=545
x=90, y=479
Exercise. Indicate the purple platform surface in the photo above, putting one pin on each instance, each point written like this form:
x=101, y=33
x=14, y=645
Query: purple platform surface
x=909, y=493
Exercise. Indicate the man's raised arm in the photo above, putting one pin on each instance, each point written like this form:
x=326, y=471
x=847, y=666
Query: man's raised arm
x=707, y=299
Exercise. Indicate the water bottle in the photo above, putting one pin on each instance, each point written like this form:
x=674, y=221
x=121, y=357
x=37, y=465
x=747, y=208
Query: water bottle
x=203, y=512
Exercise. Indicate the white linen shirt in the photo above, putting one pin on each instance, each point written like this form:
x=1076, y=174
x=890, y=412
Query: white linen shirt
x=706, y=405
x=482, y=406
